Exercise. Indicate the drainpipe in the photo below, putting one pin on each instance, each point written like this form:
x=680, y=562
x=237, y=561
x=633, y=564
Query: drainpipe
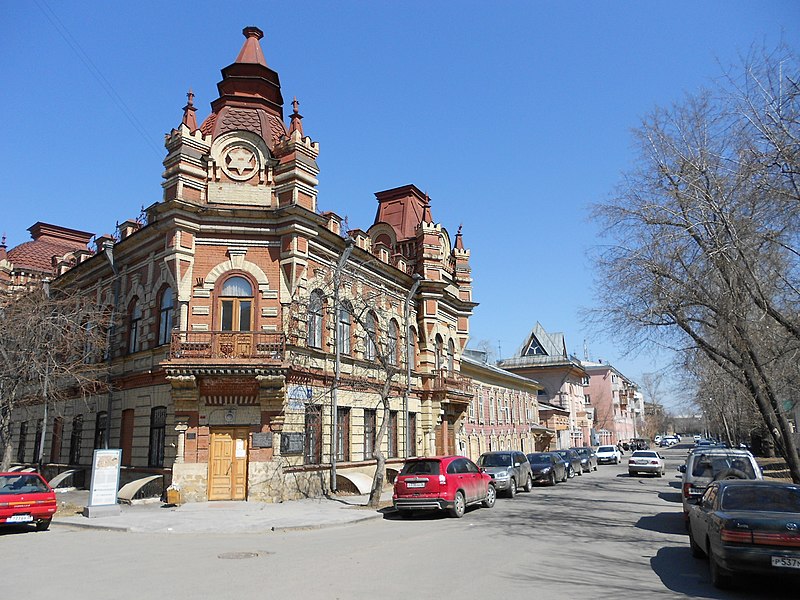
x=349, y=244
x=108, y=250
x=406, y=314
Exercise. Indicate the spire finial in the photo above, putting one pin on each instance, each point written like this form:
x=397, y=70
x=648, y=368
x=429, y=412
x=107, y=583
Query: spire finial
x=426, y=210
x=189, y=118
x=251, y=50
x=459, y=240
x=297, y=119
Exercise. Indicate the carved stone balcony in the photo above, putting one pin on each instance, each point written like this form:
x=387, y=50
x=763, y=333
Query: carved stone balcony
x=452, y=387
x=227, y=346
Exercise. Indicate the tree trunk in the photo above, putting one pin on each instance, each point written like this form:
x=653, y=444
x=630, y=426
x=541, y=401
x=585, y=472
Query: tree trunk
x=380, y=468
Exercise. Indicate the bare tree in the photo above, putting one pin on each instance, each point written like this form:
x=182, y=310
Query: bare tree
x=52, y=346
x=369, y=304
x=705, y=231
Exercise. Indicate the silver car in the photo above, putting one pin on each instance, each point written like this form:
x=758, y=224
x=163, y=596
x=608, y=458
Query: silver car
x=509, y=470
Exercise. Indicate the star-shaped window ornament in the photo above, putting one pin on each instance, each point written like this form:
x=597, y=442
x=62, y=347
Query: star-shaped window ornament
x=242, y=161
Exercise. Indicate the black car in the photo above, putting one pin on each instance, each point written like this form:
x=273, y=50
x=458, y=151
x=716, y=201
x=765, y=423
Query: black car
x=573, y=462
x=588, y=458
x=747, y=526
x=547, y=467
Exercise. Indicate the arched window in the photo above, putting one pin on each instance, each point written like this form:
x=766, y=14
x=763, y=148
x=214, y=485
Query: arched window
x=236, y=304
x=134, y=323
x=75, y=440
x=158, y=430
x=100, y=429
x=165, y=314
x=345, y=328
x=391, y=349
x=439, y=352
x=370, y=327
x=314, y=335
x=412, y=347
x=451, y=351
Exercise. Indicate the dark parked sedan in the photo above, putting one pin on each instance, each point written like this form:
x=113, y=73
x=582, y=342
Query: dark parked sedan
x=747, y=526
x=588, y=458
x=547, y=467
x=573, y=462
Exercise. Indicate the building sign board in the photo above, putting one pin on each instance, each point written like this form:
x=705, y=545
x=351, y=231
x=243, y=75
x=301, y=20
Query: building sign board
x=292, y=443
x=105, y=477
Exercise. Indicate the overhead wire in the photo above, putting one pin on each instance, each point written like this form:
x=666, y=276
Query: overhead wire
x=98, y=75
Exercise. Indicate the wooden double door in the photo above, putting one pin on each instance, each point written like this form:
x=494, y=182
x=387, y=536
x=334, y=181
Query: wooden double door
x=227, y=463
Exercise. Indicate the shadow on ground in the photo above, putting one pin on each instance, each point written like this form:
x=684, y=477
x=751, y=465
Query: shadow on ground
x=683, y=574
x=665, y=522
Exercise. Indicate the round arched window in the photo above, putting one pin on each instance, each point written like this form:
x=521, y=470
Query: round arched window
x=236, y=304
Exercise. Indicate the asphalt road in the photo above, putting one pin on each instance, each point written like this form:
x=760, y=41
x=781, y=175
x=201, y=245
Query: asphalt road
x=603, y=535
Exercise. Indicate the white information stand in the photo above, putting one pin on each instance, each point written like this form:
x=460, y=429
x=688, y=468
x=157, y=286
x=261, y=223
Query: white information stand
x=105, y=483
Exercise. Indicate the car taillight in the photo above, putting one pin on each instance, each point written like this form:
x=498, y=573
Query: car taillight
x=631, y=461
x=776, y=539
x=442, y=480
x=653, y=462
x=687, y=487
x=744, y=536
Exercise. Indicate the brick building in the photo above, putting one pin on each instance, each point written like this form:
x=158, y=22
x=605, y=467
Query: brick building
x=543, y=357
x=245, y=314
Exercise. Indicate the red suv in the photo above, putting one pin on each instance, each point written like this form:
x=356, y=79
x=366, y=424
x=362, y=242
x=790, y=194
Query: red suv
x=442, y=482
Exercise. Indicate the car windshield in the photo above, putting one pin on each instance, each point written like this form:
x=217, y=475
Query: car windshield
x=582, y=451
x=761, y=498
x=709, y=465
x=22, y=483
x=606, y=449
x=421, y=467
x=539, y=459
x=495, y=460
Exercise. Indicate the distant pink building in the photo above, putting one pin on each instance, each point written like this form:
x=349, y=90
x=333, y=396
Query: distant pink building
x=614, y=399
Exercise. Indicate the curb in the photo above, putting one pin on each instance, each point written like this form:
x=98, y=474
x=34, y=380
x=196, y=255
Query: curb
x=76, y=525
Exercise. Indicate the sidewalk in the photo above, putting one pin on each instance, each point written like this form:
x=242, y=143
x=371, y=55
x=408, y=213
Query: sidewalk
x=224, y=517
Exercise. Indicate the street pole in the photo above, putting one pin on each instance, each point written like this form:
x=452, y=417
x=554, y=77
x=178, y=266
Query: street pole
x=407, y=315
x=108, y=250
x=349, y=244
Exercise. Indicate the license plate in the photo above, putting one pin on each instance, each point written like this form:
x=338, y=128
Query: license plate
x=641, y=462
x=19, y=519
x=421, y=484
x=786, y=561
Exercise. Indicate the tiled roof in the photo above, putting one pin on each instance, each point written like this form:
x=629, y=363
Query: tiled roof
x=38, y=254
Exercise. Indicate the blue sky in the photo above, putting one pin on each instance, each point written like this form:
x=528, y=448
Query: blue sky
x=513, y=116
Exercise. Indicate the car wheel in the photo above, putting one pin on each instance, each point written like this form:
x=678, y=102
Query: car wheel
x=719, y=576
x=563, y=479
x=43, y=524
x=616, y=461
x=491, y=496
x=570, y=472
x=552, y=479
x=459, y=506
x=580, y=471
x=659, y=473
x=694, y=547
x=595, y=467
x=512, y=488
x=529, y=483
